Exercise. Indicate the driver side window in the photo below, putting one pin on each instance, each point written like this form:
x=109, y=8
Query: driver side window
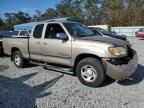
x=52, y=30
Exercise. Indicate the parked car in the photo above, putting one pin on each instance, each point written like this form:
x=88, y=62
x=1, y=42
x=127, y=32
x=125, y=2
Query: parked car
x=140, y=33
x=104, y=33
x=70, y=46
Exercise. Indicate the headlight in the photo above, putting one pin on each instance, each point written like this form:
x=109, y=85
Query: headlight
x=118, y=51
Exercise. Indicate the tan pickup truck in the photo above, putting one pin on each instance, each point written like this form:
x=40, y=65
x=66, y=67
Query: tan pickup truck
x=71, y=46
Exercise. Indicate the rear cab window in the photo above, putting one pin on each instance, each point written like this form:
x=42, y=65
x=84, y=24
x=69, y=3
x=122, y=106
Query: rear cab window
x=38, y=30
x=24, y=33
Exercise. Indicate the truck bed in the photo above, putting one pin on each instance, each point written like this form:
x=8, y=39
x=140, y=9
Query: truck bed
x=10, y=44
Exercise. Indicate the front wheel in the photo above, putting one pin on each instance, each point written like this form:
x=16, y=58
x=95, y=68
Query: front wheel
x=90, y=72
x=18, y=59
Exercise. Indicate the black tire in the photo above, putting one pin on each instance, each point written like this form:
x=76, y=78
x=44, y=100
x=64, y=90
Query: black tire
x=21, y=63
x=99, y=70
x=1, y=52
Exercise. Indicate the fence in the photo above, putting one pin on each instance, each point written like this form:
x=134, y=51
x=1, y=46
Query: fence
x=128, y=31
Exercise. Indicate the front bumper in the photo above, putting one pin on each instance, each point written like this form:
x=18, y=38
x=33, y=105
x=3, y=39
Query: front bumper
x=119, y=72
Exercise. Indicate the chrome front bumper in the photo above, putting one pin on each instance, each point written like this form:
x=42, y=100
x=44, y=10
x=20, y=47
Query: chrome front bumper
x=119, y=72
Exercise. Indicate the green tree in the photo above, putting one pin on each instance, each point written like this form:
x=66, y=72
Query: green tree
x=37, y=16
x=113, y=12
x=135, y=13
x=16, y=18
x=64, y=8
x=49, y=14
x=93, y=12
x=21, y=17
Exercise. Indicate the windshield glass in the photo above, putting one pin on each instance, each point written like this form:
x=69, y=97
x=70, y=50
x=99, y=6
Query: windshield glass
x=78, y=30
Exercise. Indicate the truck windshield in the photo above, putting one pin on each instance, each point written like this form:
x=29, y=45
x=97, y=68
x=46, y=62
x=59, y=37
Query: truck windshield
x=78, y=30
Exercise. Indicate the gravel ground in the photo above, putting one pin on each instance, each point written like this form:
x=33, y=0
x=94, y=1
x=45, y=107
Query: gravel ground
x=35, y=87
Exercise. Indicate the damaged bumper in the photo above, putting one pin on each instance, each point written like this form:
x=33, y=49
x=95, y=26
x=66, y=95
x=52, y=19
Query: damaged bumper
x=119, y=72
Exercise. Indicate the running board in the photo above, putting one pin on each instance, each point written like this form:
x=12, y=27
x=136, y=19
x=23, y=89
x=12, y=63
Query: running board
x=52, y=67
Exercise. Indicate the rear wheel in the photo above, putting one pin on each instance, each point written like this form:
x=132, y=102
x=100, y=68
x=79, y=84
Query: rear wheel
x=18, y=59
x=90, y=72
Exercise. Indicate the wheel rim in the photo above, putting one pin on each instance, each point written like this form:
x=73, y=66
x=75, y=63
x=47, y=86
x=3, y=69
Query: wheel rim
x=88, y=73
x=17, y=60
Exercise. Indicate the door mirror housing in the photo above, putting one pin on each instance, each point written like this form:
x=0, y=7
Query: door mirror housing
x=62, y=36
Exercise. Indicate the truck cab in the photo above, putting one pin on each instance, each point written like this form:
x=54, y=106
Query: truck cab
x=47, y=45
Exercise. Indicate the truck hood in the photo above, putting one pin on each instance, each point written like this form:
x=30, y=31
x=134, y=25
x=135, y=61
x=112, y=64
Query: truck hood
x=116, y=42
x=122, y=37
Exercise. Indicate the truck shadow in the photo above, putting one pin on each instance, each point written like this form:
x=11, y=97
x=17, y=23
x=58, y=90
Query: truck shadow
x=29, y=65
x=107, y=81
x=137, y=77
x=2, y=55
x=14, y=93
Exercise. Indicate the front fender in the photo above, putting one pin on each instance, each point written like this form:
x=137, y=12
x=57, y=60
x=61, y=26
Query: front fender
x=99, y=52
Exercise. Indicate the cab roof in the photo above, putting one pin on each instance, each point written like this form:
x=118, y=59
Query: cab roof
x=29, y=26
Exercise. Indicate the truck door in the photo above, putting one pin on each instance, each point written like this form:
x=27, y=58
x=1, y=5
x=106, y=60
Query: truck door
x=35, y=43
x=54, y=49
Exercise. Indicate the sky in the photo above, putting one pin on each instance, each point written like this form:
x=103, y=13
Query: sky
x=29, y=6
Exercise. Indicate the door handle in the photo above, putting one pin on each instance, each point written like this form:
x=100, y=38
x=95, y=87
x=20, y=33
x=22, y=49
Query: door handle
x=38, y=42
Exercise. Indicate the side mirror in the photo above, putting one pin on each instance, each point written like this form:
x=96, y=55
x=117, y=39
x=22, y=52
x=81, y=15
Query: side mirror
x=62, y=36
